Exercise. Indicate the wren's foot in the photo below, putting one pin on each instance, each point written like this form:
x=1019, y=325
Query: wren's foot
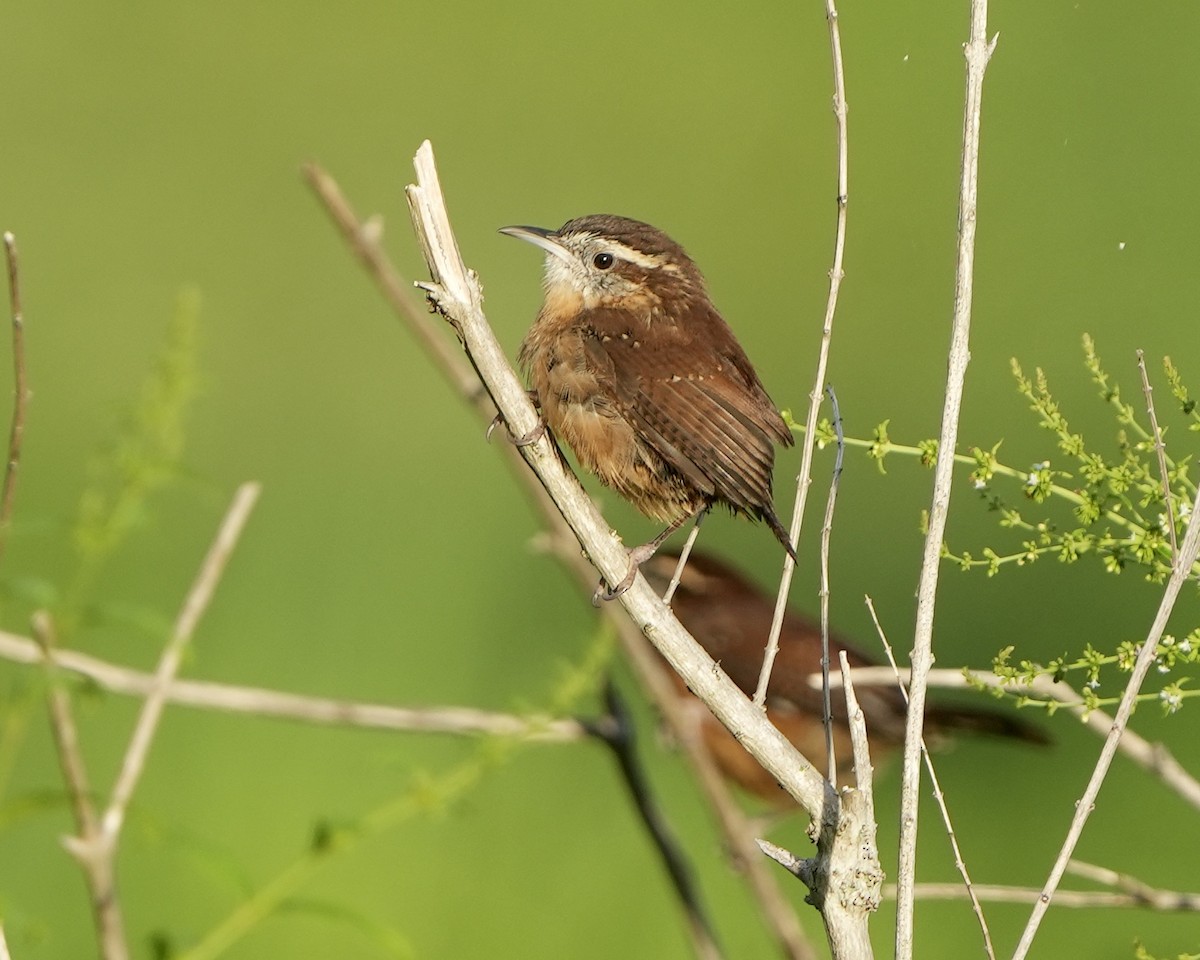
x=533, y=436
x=637, y=556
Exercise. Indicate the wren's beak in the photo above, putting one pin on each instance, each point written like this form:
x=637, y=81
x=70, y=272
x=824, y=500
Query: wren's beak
x=540, y=237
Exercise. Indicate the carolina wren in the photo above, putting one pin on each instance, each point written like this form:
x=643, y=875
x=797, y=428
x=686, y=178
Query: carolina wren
x=730, y=617
x=632, y=365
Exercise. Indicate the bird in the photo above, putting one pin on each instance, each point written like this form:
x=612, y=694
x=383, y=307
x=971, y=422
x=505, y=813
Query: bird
x=634, y=368
x=730, y=617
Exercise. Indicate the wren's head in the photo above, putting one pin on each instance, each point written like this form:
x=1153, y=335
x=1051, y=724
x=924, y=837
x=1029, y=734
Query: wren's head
x=605, y=260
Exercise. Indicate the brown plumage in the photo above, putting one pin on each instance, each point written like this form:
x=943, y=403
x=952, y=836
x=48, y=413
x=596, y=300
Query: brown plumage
x=636, y=370
x=731, y=617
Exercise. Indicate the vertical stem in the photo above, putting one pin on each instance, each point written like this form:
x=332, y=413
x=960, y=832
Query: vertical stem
x=978, y=51
x=804, y=480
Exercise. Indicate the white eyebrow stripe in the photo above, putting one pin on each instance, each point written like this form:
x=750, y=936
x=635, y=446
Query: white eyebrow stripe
x=648, y=260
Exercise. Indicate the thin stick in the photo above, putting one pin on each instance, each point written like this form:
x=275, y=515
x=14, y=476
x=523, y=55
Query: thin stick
x=1160, y=450
x=1180, y=573
x=20, y=391
x=66, y=734
x=826, y=533
x=364, y=242
x=978, y=52
x=97, y=871
x=1154, y=758
x=1137, y=890
x=836, y=273
x=677, y=574
x=864, y=772
x=622, y=740
x=256, y=701
x=1162, y=900
x=194, y=606
x=858, y=822
x=939, y=796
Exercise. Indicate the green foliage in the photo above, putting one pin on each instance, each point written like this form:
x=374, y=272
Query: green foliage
x=1122, y=512
x=1091, y=667
x=145, y=456
x=1141, y=953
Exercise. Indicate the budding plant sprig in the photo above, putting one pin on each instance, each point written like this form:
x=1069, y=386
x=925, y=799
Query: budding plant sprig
x=1118, y=505
x=1172, y=652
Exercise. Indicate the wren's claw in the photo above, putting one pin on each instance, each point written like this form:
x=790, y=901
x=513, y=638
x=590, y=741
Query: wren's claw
x=637, y=556
x=533, y=436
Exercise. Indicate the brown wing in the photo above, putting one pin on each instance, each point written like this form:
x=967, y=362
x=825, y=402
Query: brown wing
x=694, y=398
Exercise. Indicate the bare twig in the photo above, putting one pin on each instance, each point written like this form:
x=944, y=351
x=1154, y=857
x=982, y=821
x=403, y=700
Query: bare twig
x=676, y=713
x=1149, y=898
x=864, y=772
x=97, y=871
x=95, y=844
x=194, y=606
x=836, y=273
x=826, y=533
x=1129, y=892
x=20, y=391
x=858, y=821
x=830, y=876
x=364, y=241
x=1180, y=573
x=621, y=739
x=1154, y=758
x=1160, y=450
x=1140, y=892
x=978, y=52
x=782, y=856
x=66, y=735
x=456, y=295
x=939, y=795
x=256, y=701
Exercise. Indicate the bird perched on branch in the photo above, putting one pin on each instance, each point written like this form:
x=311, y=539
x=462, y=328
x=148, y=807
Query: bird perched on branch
x=731, y=617
x=632, y=365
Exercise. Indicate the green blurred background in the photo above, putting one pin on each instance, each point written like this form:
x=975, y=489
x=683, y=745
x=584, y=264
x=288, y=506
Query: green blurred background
x=151, y=147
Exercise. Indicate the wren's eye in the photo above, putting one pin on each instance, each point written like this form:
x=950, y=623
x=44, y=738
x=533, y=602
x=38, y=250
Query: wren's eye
x=602, y=261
